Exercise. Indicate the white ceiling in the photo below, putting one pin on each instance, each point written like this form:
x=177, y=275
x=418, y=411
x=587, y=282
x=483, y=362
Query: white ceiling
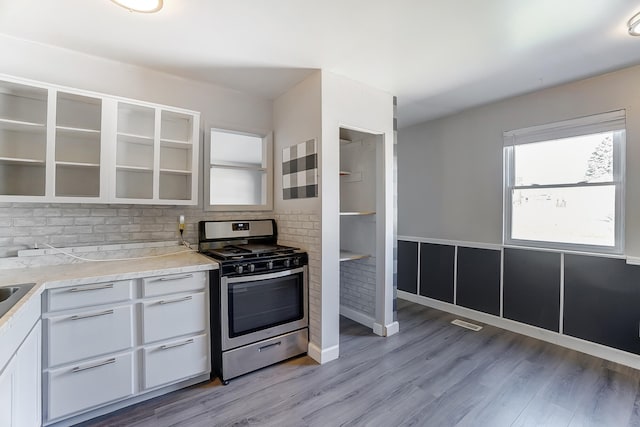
x=436, y=56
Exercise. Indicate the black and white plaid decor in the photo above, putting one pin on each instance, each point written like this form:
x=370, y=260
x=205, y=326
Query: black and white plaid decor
x=300, y=171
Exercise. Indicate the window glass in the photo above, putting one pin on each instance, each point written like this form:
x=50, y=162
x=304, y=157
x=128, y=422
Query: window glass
x=587, y=158
x=565, y=191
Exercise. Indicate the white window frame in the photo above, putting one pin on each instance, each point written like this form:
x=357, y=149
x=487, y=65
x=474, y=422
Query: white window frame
x=267, y=149
x=611, y=121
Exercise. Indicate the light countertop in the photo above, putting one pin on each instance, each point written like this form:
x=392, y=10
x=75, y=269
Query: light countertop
x=73, y=274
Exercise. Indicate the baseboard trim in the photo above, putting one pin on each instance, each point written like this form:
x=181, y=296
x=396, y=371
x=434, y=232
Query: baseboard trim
x=323, y=356
x=392, y=329
x=357, y=316
x=583, y=346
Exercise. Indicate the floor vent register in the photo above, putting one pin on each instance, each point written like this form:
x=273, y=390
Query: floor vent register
x=466, y=325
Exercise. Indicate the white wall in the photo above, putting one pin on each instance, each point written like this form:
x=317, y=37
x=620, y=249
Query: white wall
x=297, y=118
x=220, y=107
x=347, y=103
x=450, y=169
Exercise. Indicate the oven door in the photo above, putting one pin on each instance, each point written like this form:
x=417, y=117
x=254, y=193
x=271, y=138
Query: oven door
x=262, y=306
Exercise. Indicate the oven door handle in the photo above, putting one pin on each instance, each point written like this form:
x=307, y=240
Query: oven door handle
x=253, y=278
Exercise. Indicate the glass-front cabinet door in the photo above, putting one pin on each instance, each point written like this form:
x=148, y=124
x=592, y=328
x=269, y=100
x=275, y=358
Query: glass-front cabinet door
x=78, y=146
x=135, y=151
x=23, y=140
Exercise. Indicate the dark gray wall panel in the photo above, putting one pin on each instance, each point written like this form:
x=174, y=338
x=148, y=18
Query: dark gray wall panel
x=408, y=266
x=532, y=288
x=602, y=301
x=436, y=271
x=478, y=280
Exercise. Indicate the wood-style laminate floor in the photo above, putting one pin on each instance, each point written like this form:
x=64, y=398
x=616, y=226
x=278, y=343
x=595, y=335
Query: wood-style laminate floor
x=430, y=374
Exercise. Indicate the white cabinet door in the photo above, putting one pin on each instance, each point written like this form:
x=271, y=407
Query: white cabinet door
x=89, y=333
x=86, y=295
x=27, y=385
x=174, y=283
x=88, y=384
x=175, y=360
x=174, y=315
x=6, y=394
x=156, y=155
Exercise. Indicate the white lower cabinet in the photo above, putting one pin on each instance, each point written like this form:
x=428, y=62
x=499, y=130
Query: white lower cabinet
x=6, y=393
x=174, y=360
x=89, y=384
x=159, y=316
x=89, y=333
x=27, y=386
x=114, y=341
x=20, y=386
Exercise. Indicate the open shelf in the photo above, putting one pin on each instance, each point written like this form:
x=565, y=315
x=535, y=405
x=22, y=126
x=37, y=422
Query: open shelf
x=18, y=125
x=134, y=168
x=20, y=161
x=174, y=143
x=351, y=256
x=135, y=139
x=176, y=171
x=72, y=130
x=78, y=164
x=359, y=213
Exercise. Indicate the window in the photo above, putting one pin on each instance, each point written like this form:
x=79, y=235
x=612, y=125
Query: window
x=240, y=171
x=564, y=184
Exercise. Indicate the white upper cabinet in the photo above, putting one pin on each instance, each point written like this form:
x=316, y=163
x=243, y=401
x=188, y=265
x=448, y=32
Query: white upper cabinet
x=78, y=146
x=65, y=145
x=23, y=140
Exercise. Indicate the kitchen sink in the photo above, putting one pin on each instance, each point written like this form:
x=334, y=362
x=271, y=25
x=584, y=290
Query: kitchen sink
x=10, y=295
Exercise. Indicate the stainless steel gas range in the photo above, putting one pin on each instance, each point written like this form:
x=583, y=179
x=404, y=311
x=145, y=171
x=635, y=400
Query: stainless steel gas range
x=259, y=296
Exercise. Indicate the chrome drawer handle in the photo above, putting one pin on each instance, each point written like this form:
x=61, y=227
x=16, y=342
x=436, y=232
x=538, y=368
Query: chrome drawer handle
x=86, y=316
x=92, y=288
x=180, y=344
x=175, y=300
x=265, y=347
x=96, y=365
x=164, y=279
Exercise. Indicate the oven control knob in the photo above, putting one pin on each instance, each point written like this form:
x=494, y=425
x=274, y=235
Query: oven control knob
x=269, y=265
x=287, y=263
x=296, y=261
x=239, y=269
x=251, y=268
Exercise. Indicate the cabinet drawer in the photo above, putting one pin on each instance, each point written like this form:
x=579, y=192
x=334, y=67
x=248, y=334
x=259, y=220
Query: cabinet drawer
x=174, y=283
x=173, y=361
x=174, y=315
x=88, y=384
x=88, y=333
x=245, y=359
x=85, y=295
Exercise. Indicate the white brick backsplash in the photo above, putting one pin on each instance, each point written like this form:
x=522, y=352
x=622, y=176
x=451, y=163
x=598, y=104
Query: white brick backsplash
x=294, y=229
x=89, y=220
x=358, y=285
x=62, y=225
x=60, y=221
x=76, y=212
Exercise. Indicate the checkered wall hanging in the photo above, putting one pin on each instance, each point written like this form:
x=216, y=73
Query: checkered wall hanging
x=300, y=171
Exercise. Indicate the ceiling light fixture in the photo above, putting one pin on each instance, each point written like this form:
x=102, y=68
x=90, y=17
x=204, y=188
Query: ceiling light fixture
x=143, y=6
x=634, y=25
